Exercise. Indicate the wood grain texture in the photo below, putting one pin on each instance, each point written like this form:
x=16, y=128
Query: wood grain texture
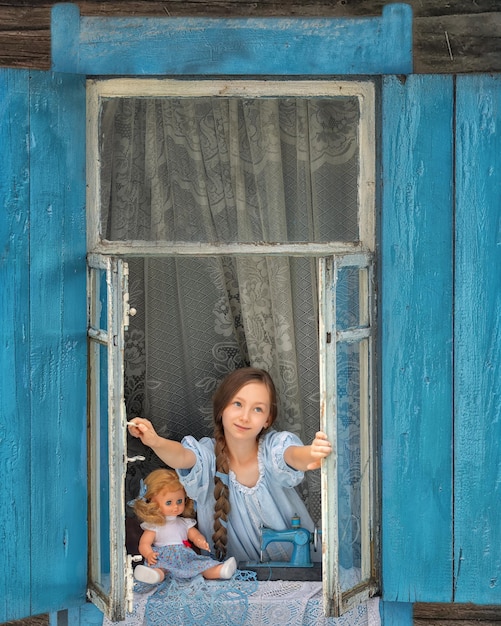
x=266, y=46
x=455, y=622
x=416, y=313
x=15, y=402
x=455, y=36
x=477, y=397
x=58, y=347
x=456, y=612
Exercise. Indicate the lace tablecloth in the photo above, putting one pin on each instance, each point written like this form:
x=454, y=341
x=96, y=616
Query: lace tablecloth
x=239, y=603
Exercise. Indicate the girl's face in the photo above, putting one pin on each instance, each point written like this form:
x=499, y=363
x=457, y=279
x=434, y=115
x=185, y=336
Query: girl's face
x=171, y=503
x=248, y=412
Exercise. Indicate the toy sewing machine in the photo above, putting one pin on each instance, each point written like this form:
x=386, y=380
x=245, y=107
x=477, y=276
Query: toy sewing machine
x=299, y=537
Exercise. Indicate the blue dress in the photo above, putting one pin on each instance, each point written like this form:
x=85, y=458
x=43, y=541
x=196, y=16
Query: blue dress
x=272, y=502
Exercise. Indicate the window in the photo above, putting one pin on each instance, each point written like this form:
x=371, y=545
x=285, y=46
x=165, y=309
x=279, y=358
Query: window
x=245, y=213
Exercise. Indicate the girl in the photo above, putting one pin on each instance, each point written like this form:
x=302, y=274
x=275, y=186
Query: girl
x=168, y=527
x=244, y=478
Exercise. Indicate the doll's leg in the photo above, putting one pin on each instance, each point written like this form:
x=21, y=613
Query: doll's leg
x=151, y=575
x=223, y=571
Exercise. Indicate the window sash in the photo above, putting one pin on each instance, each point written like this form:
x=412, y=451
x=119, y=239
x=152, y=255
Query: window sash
x=337, y=601
x=107, y=307
x=364, y=91
x=339, y=597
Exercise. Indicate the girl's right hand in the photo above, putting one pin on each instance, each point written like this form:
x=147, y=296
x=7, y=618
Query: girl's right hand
x=142, y=428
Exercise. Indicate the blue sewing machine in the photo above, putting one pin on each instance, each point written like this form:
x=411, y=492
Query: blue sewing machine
x=301, y=540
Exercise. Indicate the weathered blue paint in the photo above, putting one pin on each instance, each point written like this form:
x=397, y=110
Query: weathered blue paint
x=58, y=339
x=441, y=476
x=217, y=46
x=84, y=615
x=396, y=614
x=43, y=394
x=477, y=390
x=15, y=399
x=416, y=314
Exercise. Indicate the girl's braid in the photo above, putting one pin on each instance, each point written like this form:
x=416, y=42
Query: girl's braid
x=221, y=495
x=222, y=397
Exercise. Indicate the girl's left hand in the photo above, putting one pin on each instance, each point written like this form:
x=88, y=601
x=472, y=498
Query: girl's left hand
x=321, y=447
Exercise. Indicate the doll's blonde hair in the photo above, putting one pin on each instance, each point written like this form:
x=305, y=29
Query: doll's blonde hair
x=159, y=480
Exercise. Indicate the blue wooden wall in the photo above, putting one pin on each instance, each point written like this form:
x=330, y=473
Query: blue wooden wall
x=416, y=315
x=440, y=342
x=43, y=505
x=477, y=342
x=441, y=339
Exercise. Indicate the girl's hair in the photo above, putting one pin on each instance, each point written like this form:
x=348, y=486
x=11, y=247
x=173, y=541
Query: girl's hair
x=159, y=480
x=222, y=398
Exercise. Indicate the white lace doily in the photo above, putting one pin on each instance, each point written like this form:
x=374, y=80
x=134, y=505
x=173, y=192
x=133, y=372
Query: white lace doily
x=275, y=602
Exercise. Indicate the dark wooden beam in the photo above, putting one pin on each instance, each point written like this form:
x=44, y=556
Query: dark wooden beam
x=430, y=614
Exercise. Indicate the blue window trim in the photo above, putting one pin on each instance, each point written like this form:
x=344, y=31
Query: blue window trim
x=232, y=47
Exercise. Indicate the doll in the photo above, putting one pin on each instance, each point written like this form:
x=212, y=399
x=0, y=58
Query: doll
x=168, y=529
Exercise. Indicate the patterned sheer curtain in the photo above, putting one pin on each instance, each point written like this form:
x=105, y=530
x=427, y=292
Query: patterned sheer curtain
x=226, y=170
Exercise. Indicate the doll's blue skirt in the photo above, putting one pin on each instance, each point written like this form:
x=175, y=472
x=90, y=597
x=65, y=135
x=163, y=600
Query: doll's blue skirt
x=181, y=561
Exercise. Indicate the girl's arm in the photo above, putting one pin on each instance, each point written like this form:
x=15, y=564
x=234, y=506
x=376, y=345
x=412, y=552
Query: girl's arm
x=310, y=457
x=197, y=539
x=171, y=452
x=146, y=547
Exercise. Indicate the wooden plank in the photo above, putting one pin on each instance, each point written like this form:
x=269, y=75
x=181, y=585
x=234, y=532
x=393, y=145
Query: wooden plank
x=477, y=397
x=469, y=26
x=395, y=614
x=457, y=612
x=58, y=346
x=458, y=43
x=416, y=314
x=15, y=506
x=455, y=622
x=261, y=46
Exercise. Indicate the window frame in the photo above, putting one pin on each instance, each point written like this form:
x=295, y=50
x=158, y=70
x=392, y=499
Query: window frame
x=110, y=599
x=335, y=601
x=364, y=90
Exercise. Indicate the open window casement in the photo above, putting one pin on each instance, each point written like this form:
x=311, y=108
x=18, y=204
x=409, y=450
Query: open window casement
x=346, y=217
x=108, y=310
x=346, y=339
x=346, y=415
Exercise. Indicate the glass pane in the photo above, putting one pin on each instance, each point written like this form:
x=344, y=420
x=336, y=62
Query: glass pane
x=107, y=286
x=230, y=170
x=348, y=460
x=104, y=471
x=351, y=298
x=99, y=468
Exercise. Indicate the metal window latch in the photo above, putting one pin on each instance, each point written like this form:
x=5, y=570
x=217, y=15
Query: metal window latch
x=138, y=457
x=129, y=311
x=129, y=580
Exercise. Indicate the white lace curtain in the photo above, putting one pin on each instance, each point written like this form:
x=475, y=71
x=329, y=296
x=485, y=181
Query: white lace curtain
x=226, y=170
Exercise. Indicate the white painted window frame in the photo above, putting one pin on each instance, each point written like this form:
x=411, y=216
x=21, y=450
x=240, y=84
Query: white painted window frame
x=335, y=601
x=131, y=87
x=107, y=592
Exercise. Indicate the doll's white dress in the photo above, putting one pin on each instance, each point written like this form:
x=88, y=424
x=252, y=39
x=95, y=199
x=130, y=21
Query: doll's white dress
x=173, y=555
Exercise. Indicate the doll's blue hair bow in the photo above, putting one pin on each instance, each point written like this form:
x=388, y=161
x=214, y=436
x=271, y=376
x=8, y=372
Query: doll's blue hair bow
x=142, y=493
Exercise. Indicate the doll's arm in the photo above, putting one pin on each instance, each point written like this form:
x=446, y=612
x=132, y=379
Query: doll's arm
x=146, y=547
x=197, y=539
